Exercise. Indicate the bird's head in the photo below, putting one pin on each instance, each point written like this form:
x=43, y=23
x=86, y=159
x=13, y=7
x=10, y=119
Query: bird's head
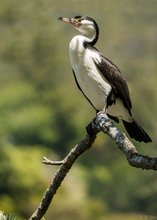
x=86, y=25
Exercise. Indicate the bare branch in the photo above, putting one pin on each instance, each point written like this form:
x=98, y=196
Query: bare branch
x=50, y=162
x=125, y=145
x=85, y=144
x=101, y=123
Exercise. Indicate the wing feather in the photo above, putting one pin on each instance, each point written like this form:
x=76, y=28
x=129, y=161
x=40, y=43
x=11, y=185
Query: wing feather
x=116, y=79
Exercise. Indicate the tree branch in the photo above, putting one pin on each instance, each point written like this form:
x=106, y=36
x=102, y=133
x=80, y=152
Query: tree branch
x=50, y=162
x=125, y=145
x=100, y=123
x=66, y=164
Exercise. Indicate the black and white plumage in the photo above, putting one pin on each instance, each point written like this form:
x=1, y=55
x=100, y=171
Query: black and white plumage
x=100, y=81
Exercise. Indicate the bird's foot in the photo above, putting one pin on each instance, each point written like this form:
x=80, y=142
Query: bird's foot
x=101, y=119
x=97, y=123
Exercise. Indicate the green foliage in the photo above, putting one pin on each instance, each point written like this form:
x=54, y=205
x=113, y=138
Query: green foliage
x=7, y=217
x=23, y=178
x=43, y=113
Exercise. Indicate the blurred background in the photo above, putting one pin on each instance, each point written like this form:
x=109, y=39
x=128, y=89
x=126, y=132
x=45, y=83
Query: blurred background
x=42, y=113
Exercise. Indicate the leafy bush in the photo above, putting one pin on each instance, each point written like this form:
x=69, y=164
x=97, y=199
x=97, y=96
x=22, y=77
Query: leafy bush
x=7, y=217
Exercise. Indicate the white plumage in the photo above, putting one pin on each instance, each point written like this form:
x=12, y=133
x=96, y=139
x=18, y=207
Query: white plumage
x=90, y=80
x=93, y=84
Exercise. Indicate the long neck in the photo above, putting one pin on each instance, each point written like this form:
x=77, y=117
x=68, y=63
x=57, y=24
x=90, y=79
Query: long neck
x=81, y=42
x=91, y=40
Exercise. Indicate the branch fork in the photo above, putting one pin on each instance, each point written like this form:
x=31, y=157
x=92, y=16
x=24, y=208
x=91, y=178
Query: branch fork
x=103, y=124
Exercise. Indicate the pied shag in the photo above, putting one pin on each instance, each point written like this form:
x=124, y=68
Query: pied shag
x=99, y=79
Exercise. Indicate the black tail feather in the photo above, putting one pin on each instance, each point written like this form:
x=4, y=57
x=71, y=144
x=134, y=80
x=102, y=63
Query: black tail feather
x=136, y=132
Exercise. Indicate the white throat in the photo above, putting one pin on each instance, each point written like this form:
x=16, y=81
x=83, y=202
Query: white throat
x=76, y=44
x=77, y=49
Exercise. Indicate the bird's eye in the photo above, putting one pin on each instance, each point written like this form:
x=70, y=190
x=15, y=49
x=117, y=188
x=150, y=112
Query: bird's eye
x=79, y=20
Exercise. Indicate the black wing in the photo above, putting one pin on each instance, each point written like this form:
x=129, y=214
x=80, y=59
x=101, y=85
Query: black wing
x=116, y=79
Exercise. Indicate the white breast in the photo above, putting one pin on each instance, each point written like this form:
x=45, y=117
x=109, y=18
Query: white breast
x=88, y=76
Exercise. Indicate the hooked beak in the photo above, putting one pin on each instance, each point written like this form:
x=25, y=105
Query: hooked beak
x=72, y=21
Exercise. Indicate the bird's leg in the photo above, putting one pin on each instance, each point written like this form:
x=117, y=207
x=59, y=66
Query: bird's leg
x=101, y=118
